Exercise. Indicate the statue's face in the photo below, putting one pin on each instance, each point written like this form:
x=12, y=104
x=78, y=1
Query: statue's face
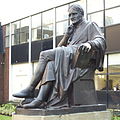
x=75, y=16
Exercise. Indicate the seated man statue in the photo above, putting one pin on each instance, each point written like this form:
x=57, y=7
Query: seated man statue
x=58, y=68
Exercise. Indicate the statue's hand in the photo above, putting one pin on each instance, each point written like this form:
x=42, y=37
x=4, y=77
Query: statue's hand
x=70, y=30
x=85, y=47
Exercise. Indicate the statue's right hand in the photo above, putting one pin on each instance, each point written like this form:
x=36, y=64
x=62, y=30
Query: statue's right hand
x=70, y=30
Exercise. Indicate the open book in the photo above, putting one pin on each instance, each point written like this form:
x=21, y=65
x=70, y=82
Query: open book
x=82, y=60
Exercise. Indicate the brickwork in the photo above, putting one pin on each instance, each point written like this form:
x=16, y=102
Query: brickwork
x=6, y=76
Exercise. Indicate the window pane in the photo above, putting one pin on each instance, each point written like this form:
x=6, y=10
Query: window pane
x=62, y=13
x=94, y=5
x=7, y=30
x=24, y=30
x=111, y=3
x=24, y=34
x=15, y=39
x=61, y=28
x=112, y=16
x=47, y=17
x=115, y=82
x=47, y=31
x=97, y=17
x=7, y=41
x=36, y=21
x=114, y=63
x=15, y=26
x=25, y=22
x=100, y=82
x=36, y=34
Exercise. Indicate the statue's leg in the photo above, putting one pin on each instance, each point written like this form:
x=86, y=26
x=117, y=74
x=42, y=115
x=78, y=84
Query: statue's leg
x=45, y=56
x=43, y=95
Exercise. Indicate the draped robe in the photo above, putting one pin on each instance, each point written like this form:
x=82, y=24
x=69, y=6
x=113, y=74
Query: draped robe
x=61, y=71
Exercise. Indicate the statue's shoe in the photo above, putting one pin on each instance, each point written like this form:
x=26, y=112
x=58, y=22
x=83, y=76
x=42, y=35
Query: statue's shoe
x=26, y=93
x=34, y=104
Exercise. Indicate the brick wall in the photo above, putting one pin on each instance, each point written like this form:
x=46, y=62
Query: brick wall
x=6, y=75
x=1, y=78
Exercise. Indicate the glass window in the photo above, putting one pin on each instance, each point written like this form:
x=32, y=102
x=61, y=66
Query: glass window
x=16, y=38
x=36, y=21
x=47, y=31
x=36, y=27
x=111, y=3
x=100, y=82
x=47, y=17
x=7, y=32
x=61, y=28
x=96, y=17
x=112, y=16
x=94, y=5
x=115, y=82
x=24, y=30
x=62, y=13
x=114, y=63
x=15, y=33
x=47, y=24
x=36, y=34
x=15, y=27
x=7, y=41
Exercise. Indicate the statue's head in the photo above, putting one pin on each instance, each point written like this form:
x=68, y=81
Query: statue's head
x=76, y=13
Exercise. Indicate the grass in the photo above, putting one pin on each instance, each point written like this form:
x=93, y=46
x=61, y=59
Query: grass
x=116, y=118
x=3, y=117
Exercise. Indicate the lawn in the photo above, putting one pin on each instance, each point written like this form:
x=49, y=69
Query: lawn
x=3, y=117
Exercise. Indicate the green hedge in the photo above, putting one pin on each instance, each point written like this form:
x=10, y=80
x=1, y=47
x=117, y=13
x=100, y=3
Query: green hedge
x=7, y=109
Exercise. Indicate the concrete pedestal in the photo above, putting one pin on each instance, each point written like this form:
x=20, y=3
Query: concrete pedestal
x=82, y=112
x=99, y=115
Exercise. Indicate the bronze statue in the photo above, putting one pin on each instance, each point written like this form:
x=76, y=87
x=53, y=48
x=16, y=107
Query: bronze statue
x=83, y=43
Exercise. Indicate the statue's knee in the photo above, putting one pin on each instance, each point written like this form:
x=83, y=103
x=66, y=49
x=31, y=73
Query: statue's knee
x=42, y=54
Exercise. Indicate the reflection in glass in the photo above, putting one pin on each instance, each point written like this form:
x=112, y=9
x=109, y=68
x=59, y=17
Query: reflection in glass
x=24, y=30
x=47, y=31
x=15, y=26
x=7, y=41
x=15, y=39
x=36, y=21
x=115, y=81
x=36, y=34
x=100, y=82
x=7, y=31
x=114, y=63
x=111, y=3
x=24, y=34
x=97, y=18
x=94, y=5
x=61, y=28
x=112, y=16
x=47, y=17
x=62, y=13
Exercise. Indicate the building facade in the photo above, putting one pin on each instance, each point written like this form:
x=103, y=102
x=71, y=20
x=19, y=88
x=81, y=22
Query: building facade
x=25, y=38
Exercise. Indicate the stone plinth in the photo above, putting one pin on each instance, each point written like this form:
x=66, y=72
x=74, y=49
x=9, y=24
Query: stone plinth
x=83, y=112
x=99, y=115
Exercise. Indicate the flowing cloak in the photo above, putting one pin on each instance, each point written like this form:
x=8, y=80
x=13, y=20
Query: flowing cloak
x=61, y=71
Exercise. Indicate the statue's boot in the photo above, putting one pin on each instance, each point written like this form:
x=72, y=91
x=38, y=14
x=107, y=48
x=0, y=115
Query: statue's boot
x=43, y=95
x=29, y=91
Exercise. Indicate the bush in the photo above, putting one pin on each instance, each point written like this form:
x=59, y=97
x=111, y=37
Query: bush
x=7, y=109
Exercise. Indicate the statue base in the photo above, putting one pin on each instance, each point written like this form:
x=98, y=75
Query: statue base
x=83, y=112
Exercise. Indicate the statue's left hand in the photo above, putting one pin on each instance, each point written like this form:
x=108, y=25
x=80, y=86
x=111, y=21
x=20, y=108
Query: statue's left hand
x=85, y=47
